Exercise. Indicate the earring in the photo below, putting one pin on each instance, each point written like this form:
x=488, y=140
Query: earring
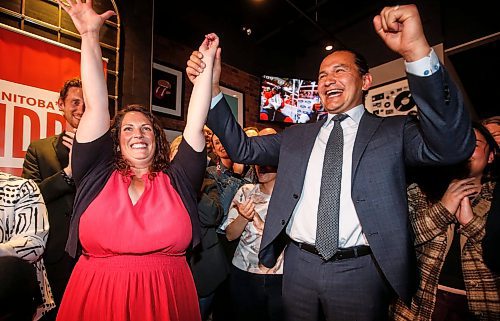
x=117, y=148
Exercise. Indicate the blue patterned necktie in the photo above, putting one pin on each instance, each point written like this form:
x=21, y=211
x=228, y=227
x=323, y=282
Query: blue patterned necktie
x=327, y=230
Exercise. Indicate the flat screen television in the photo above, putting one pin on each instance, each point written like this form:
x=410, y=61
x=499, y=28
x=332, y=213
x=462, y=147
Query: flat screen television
x=289, y=100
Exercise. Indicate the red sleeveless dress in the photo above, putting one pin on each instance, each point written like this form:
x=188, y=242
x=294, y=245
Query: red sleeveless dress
x=133, y=265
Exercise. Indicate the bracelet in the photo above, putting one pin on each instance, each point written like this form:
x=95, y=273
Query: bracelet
x=67, y=179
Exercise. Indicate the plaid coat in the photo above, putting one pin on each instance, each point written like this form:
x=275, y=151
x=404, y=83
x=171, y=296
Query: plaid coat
x=433, y=227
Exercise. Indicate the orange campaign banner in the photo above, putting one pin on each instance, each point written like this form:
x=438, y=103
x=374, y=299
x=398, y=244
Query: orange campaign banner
x=32, y=71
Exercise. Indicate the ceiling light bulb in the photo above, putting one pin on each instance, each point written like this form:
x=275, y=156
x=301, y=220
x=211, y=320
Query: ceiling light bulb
x=246, y=30
x=329, y=47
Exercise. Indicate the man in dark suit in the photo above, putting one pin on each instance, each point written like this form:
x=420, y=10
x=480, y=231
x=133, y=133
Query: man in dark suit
x=373, y=257
x=48, y=163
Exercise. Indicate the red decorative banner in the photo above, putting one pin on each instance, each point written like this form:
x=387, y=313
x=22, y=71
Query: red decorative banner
x=32, y=71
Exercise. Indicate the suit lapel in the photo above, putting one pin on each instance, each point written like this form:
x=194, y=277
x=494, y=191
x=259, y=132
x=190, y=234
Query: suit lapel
x=367, y=128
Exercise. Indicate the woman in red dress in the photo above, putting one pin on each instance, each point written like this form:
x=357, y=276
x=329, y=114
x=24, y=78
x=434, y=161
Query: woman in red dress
x=135, y=212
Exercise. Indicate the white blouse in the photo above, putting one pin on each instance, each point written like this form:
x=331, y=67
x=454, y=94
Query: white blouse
x=246, y=254
x=24, y=228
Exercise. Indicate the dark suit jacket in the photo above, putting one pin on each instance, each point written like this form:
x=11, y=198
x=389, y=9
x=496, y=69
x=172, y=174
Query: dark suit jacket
x=208, y=261
x=382, y=149
x=43, y=163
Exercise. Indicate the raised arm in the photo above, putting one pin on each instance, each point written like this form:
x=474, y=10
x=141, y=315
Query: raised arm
x=96, y=119
x=263, y=150
x=443, y=134
x=199, y=103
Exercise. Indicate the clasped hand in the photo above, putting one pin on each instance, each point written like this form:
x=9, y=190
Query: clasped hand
x=456, y=199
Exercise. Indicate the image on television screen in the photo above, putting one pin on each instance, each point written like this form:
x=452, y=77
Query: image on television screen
x=289, y=100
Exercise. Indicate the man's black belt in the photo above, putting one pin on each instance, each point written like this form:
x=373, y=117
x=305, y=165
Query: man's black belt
x=341, y=254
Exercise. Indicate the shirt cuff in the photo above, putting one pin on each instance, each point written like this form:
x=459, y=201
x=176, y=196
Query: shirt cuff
x=67, y=179
x=215, y=100
x=425, y=66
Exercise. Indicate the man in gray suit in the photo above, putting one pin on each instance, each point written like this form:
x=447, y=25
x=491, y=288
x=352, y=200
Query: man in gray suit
x=48, y=163
x=373, y=258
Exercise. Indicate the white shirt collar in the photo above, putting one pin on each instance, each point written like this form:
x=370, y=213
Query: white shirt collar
x=354, y=113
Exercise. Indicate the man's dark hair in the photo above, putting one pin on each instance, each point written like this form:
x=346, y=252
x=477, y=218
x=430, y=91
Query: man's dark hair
x=360, y=62
x=75, y=82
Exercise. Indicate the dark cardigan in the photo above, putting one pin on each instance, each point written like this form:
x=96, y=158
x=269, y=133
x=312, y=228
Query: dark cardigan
x=93, y=165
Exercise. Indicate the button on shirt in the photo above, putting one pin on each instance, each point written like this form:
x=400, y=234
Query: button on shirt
x=302, y=225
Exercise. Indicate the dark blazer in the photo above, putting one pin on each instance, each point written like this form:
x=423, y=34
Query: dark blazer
x=208, y=261
x=43, y=163
x=382, y=149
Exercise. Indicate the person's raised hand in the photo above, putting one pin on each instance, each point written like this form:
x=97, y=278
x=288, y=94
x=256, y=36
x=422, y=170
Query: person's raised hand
x=68, y=139
x=86, y=20
x=457, y=191
x=209, y=46
x=246, y=209
x=195, y=66
x=401, y=29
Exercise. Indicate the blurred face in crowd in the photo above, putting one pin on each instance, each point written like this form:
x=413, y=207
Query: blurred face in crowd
x=208, y=138
x=72, y=107
x=494, y=129
x=265, y=174
x=218, y=148
x=137, y=140
x=481, y=157
x=340, y=83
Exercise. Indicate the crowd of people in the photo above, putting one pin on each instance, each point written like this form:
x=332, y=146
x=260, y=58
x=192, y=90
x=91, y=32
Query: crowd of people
x=352, y=217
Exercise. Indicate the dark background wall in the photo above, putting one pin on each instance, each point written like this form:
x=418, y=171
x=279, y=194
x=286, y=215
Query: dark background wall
x=137, y=41
x=175, y=55
x=450, y=23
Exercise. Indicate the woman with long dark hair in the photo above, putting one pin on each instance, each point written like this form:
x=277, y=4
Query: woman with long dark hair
x=135, y=212
x=448, y=212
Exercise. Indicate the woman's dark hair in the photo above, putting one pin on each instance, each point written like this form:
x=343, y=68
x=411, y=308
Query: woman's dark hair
x=434, y=180
x=491, y=170
x=162, y=151
x=216, y=157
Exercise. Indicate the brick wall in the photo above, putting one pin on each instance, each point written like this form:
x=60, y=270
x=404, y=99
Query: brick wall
x=175, y=55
